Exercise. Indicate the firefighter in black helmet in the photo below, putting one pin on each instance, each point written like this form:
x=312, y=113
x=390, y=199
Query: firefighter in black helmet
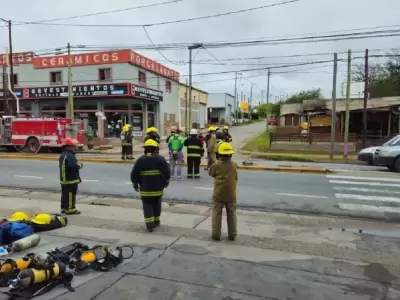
x=149, y=176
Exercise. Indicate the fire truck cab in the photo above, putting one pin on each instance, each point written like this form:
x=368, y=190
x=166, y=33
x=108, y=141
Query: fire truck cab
x=35, y=134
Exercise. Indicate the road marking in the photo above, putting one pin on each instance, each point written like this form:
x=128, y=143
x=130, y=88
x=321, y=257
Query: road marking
x=90, y=180
x=364, y=183
x=385, y=179
x=364, y=207
x=364, y=190
x=368, y=198
x=28, y=176
x=302, y=196
x=203, y=188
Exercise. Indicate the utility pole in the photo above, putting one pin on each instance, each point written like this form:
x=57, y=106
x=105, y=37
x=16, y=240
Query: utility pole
x=186, y=110
x=333, y=124
x=236, y=98
x=191, y=48
x=268, y=83
x=5, y=90
x=347, y=117
x=366, y=83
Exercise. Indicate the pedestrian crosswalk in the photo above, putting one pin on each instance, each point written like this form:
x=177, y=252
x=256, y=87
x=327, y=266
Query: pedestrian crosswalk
x=366, y=193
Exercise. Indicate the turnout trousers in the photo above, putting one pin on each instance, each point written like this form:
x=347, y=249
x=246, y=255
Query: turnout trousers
x=152, y=211
x=193, y=167
x=68, y=197
x=216, y=222
x=126, y=151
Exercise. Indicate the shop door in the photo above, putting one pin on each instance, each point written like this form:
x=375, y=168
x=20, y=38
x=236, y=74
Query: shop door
x=202, y=115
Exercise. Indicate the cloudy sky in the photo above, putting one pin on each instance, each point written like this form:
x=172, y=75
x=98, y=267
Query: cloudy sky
x=314, y=17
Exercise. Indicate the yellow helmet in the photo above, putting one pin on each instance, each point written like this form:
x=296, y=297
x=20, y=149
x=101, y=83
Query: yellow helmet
x=226, y=127
x=225, y=148
x=41, y=219
x=150, y=143
x=211, y=128
x=126, y=127
x=18, y=216
x=151, y=130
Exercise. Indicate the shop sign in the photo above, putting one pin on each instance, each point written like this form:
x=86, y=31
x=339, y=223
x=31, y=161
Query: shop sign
x=88, y=90
x=145, y=93
x=17, y=58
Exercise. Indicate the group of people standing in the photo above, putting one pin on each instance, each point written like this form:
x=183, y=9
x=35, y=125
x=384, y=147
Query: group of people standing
x=151, y=173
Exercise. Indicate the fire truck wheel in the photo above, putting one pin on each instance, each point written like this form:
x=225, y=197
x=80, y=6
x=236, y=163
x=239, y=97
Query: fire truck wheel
x=33, y=145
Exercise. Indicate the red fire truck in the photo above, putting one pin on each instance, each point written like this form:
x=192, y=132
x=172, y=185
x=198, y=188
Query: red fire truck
x=35, y=134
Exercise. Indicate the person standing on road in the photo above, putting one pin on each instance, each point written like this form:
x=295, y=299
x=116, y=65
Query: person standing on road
x=69, y=176
x=173, y=131
x=219, y=139
x=152, y=134
x=126, y=142
x=175, y=146
x=211, y=147
x=226, y=134
x=150, y=176
x=225, y=175
x=195, y=151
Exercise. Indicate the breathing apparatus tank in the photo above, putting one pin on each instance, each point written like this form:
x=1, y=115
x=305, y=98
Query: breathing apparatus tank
x=10, y=266
x=23, y=244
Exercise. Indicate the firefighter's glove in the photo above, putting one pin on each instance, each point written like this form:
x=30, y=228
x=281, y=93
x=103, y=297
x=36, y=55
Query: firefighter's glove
x=136, y=187
x=80, y=165
x=166, y=183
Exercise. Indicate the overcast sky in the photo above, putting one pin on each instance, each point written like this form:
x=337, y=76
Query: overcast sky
x=303, y=17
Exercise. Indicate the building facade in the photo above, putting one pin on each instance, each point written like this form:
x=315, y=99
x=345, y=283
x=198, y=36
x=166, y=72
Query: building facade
x=199, y=106
x=126, y=86
x=220, y=108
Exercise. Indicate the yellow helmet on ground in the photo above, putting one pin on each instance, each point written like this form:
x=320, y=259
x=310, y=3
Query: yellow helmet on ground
x=18, y=216
x=225, y=148
x=151, y=130
x=226, y=127
x=150, y=143
x=41, y=219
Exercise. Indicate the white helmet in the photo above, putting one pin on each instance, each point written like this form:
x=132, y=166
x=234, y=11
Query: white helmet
x=193, y=132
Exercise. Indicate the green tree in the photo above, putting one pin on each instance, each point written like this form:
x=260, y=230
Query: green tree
x=304, y=95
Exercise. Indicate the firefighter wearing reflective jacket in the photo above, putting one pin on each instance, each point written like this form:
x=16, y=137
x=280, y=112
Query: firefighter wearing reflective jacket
x=149, y=176
x=225, y=175
x=211, y=147
x=69, y=176
x=152, y=133
x=195, y=151
x=126, y=142
x=226, y=134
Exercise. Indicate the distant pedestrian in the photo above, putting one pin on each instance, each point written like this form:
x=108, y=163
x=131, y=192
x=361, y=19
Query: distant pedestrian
x=175, y=147
x=225, y=175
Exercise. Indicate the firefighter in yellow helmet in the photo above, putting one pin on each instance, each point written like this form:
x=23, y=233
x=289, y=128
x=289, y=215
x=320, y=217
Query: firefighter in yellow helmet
x=152, y=133
x=211, y=147
x=149, y=176
x=126, y=142
x=225, y=174
x=227, y=136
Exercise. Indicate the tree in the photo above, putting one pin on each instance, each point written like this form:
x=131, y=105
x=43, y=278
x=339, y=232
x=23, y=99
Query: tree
x=383, y=78
x=304, y=95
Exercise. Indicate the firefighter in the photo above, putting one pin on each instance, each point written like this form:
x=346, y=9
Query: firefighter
x=152, y=133
x=175, y=147
x=219, y=139
x=126, y=142
x=195, y=151
x=211, y=147
x=149, y=176
x=225, y=175
x=227, y=135
x=69, y=176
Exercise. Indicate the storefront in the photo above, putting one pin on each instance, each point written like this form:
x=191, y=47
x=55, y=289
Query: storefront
x=121, y=103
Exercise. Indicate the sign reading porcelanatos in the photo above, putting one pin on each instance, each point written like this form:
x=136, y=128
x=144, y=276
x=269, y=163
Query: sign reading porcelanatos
x=104, y=58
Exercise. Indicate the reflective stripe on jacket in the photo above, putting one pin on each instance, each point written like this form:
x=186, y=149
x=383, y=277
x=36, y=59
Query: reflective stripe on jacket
x=194, y=146
x=69, y=168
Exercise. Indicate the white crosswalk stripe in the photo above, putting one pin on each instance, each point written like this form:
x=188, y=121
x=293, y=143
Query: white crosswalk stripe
x=372, y=194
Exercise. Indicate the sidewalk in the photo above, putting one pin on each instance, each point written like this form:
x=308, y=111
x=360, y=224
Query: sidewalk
x=276, y=256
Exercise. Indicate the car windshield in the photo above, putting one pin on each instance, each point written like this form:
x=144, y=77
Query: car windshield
x=392, y=141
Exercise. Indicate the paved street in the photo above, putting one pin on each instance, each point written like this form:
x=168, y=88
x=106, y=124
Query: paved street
x=275, y=257
x=347, y=193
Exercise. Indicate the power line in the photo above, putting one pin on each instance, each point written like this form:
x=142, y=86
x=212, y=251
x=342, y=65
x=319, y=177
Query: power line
x=100, y=13
x=165, y=22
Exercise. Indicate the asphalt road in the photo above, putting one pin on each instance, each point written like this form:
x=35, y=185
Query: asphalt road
x=344, y=194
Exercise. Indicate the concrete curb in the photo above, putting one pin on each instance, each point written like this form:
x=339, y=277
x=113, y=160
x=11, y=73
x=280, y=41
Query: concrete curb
x=118, y=161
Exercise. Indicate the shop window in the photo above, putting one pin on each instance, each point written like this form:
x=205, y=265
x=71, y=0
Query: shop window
x=52, y=107
x=15, y=79
x=151, y=120
x=151, y=107
x=137, y=106
x=56, y=77
x=142, y=77
x=105, y=74
x=85, y=106
x=121, y=107
x=168, y=86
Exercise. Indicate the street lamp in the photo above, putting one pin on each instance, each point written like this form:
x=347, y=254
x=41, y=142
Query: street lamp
x=192, y=47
